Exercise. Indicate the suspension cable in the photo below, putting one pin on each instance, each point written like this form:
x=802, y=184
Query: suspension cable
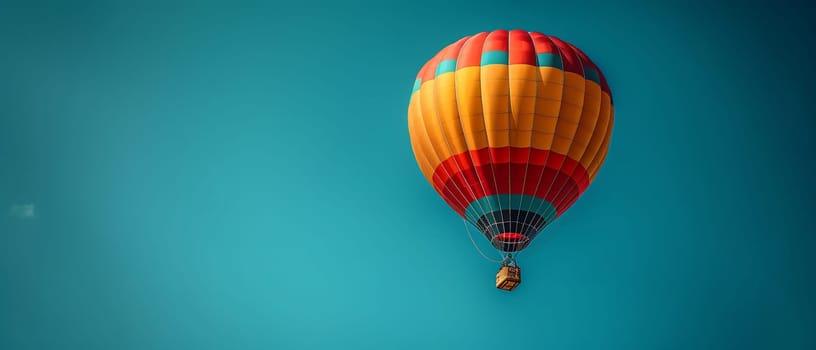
x=477, y=246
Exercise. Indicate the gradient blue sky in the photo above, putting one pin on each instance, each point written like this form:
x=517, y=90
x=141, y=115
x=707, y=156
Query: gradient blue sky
x=239, y=176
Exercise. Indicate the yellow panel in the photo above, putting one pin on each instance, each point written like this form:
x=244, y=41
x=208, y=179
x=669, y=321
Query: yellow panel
x=521, y=110
x=456, y=139
x=422, y=161
x=449, y=114
x=585, y=132
x=424, y=142
x=568, y=114
x=523, y=83
x=472, y=123
x=601, y=157
x=599, y=132
x=561, y=144
x=519, y=138
x=547, y=107
x=589, y=117
x=551, y=75
x=419, y=138
x=432, y=122
x=523, y=89
x=468, y=98
x=523, y=121
x=592, y=100
x=571, y=112
x=542, y=140
x=574, y=79
x=545, y=124
x=550, y=90
x=498, y=138
x=469, y=102
x=495, y=100
x=580, y=142
x=566, y=129
x=572, y=103
x=420, y=157
x=573, y=96
x=476, y=139
x=523, y=86
x=523, y=72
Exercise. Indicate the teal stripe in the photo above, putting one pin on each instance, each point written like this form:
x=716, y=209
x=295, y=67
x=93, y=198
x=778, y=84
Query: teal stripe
x=445, y=66
x=487, y=204
x=550, y=60
x=417, y=84
x=494, y=57
x=591, y=74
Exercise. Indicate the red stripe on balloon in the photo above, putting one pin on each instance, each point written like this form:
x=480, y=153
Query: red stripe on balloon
x=518, y=155
x=521, y=49
x=542, y=43
x=496, y=41
x=471, y=53
x=548, y=175
x=568, y=56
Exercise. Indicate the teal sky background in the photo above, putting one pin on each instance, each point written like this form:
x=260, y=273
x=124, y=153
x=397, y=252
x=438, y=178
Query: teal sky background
x=239, y=176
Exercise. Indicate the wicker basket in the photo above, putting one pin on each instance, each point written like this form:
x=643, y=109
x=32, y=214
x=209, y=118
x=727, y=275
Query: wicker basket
x=508, y=278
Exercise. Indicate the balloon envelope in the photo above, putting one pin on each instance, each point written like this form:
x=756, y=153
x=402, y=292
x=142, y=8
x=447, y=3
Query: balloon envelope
x=510, y=128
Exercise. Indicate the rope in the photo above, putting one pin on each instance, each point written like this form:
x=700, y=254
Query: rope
x=477, y=246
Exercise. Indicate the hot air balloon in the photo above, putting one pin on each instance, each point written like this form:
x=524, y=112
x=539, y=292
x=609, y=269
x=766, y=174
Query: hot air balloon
x=510, y=128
